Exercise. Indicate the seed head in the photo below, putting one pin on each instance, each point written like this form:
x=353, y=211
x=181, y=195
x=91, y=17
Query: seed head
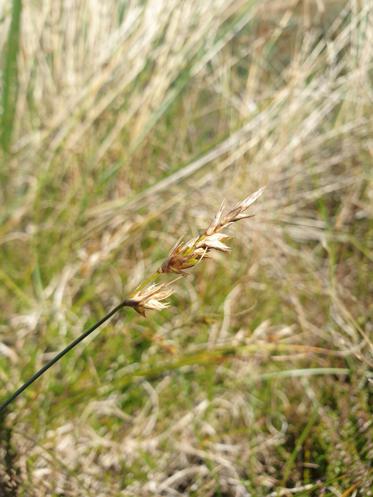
x=186, y=255
x=151, y=298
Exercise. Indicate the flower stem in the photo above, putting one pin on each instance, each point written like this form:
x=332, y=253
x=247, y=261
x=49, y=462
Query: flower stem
x=56, y=358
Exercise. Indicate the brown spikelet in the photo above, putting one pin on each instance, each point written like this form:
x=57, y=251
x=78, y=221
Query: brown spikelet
x=186, y=255
x=182, y=256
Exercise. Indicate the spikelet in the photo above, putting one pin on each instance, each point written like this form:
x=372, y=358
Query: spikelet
x=151, y=298
x=186, y=255
x=181, y=257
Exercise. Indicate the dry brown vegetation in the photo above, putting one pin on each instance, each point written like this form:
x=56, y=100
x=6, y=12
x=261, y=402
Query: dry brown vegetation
x=123, y=129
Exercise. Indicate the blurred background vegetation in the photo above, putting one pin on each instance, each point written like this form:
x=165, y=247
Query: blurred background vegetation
x=123, y=126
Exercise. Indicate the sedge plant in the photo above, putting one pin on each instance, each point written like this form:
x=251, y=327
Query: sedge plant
x=152, y=294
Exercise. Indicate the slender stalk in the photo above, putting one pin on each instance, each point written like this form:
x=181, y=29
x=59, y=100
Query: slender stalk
x=56, y=358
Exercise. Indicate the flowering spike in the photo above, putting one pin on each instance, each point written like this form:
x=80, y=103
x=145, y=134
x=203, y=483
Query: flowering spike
x=186, y=255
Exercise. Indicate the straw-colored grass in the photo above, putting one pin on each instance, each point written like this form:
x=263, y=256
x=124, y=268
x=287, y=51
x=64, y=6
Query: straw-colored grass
x=124, y=125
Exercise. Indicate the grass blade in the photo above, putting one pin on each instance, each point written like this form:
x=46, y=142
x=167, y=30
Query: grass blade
x=10, y=76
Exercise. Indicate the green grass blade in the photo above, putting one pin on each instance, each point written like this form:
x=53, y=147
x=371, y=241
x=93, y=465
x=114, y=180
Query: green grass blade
x=10, y=76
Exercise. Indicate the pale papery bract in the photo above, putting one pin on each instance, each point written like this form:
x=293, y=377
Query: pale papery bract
x=151, y=298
